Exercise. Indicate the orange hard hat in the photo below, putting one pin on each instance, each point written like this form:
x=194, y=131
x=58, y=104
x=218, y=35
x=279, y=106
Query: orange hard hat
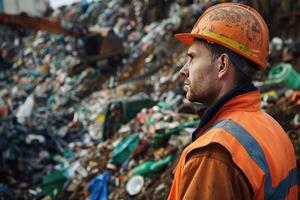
x=235, y=26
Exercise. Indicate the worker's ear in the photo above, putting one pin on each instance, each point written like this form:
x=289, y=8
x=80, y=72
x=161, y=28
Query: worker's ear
x=223, y=65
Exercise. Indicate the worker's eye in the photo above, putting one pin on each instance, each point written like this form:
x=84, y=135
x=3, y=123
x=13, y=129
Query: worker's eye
x=190, y=58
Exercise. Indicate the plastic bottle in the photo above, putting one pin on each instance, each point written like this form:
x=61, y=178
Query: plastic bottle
x=150, y=167
x=162, y=136
x=161, y=164
x=284, y=73
x=143, y=169
x=25, y=110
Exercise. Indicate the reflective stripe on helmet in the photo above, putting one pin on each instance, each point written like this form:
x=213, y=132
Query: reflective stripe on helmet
x=228, y=41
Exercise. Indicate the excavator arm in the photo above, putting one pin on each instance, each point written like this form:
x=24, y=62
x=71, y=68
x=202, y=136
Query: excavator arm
x=100, y=43
x=36, y=23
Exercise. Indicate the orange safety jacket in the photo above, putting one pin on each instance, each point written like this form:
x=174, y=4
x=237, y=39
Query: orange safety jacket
x=257, y=143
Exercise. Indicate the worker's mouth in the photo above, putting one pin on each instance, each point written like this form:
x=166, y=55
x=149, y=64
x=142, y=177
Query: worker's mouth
x=186, y=83
x=186, y=86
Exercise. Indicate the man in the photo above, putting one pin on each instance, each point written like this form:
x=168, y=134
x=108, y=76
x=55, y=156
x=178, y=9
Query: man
x=238, y=151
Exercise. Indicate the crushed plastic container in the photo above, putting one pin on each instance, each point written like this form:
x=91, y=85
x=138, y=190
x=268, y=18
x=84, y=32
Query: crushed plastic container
x=53, y=182
x=124, y=150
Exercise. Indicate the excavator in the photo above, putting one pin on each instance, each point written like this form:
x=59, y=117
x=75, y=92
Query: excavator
x=103, y=49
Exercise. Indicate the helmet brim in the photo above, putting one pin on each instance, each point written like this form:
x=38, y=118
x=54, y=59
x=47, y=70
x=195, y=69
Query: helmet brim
x=185, y=38
x=188, y=38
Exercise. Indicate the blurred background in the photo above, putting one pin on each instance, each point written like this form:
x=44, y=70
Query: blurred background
x=91, y=102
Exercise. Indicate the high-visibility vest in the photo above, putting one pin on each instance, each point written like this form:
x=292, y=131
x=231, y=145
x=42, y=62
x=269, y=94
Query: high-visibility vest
x=258, y=146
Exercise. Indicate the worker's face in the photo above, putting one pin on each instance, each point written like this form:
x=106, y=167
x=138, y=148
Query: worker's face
x=201, y=74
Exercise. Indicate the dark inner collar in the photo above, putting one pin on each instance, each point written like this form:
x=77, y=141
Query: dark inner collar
x=214, y=108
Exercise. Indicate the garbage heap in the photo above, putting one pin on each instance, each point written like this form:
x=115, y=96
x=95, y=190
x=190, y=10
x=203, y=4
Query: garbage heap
x=78, y=122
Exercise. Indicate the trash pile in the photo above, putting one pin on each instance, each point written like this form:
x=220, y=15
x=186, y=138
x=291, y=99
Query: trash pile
x=142, y=149
x=101, y=113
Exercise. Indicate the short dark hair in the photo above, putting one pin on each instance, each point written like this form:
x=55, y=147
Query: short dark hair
x=241, y=77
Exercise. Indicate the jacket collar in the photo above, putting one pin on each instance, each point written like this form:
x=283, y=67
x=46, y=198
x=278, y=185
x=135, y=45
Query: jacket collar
x=231, y=101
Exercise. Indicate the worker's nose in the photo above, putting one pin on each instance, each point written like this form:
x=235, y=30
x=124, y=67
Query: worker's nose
x=184, y=70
